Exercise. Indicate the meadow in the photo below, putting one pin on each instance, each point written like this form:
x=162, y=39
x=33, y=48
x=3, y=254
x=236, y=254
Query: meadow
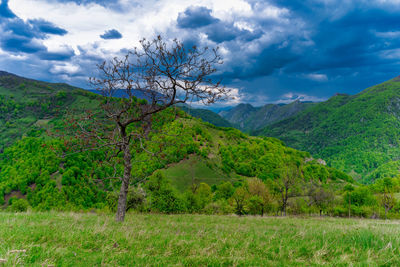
x=89, y=239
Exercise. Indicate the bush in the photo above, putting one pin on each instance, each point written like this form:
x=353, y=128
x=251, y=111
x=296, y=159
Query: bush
x=163, y=197
x=298, y=206
x=255, y=205
x=219, y=207
x=19, y=205
x=136, y=199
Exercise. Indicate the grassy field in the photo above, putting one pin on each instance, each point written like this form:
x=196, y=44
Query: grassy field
x=70, y=239
x=182, y=173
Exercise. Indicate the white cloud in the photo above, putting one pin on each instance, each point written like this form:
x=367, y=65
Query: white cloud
x=291, y=97
x=65, y=68
x=235, y=97
x=317, y=77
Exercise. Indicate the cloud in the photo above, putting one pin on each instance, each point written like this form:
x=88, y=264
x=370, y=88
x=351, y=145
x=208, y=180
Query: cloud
x=46, y=27
x=270, y=48
x=62, y=55
x=5, y=11
x=15, y=43
x=290, y=97
x=317, y=77
x=195, y=17
x=19, y=36
x=111, y=34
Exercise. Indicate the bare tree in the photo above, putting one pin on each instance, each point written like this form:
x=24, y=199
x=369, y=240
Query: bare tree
x=164, y=74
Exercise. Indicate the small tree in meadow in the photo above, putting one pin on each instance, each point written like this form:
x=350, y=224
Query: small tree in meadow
x=260, y=197
x=165, y=74
x=286, y=183
x=239, y=199
x=386, y=187
x=320, y=197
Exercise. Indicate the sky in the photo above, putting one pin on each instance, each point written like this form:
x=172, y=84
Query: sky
x=274, y=51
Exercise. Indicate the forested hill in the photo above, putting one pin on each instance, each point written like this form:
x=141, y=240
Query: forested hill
x=27, y=106
x=248, y=118
x=194, y=152
x=358, y=134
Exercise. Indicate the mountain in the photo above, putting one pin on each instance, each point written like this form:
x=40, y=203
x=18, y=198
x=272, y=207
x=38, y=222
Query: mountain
x=206, y=115
x=203, y=114
x=193, y=152
x=358, y=134
x=249, y=118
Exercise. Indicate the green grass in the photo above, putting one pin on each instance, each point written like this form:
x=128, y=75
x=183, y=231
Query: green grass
x=194, y=169
x=70, y=239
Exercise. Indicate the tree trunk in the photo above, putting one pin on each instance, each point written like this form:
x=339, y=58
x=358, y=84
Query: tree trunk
x=284, y=201
x=123, y=193
x=320, y=213
x=349, y=205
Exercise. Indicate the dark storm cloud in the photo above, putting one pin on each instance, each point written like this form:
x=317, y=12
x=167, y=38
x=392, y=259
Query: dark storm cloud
x=326, y=47
x=282, y=47
x=46, y=27
x=111, y=34
x=16, y=43
x=57, y=56
x=218, y=31
x=195, y=17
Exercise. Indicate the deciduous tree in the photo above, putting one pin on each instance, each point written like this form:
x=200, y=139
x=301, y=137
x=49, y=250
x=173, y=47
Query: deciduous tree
x=164, y=74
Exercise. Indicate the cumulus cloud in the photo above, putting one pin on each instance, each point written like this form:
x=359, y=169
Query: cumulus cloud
x=111, y=34
x=19, y=36
x=46, y=27
x=195, y=17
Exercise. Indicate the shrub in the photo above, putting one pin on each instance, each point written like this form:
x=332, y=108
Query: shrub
x=163, y=197
x=219, y=207
x=19, y=205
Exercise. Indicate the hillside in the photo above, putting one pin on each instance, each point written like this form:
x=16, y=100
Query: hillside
x=249, y=118
x=206, y=115
x=27, y=106
x=193, y=152
x=358, y=134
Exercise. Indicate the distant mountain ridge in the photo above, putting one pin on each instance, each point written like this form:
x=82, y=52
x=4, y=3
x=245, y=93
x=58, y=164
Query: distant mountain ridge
x=359, y=134
x=249, y=118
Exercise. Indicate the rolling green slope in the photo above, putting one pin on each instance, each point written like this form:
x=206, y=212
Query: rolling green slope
x=206, y=115
x=27, y=106
x=357, y=134
x=194, y=152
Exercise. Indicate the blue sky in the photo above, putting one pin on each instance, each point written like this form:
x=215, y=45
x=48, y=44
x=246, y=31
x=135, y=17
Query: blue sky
x=274, y=51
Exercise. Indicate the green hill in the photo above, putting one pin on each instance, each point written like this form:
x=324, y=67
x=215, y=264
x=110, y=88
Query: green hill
x=358, y=134
x=206, y=115
x=248, y=118
x=31, y=166
x=27, y=106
